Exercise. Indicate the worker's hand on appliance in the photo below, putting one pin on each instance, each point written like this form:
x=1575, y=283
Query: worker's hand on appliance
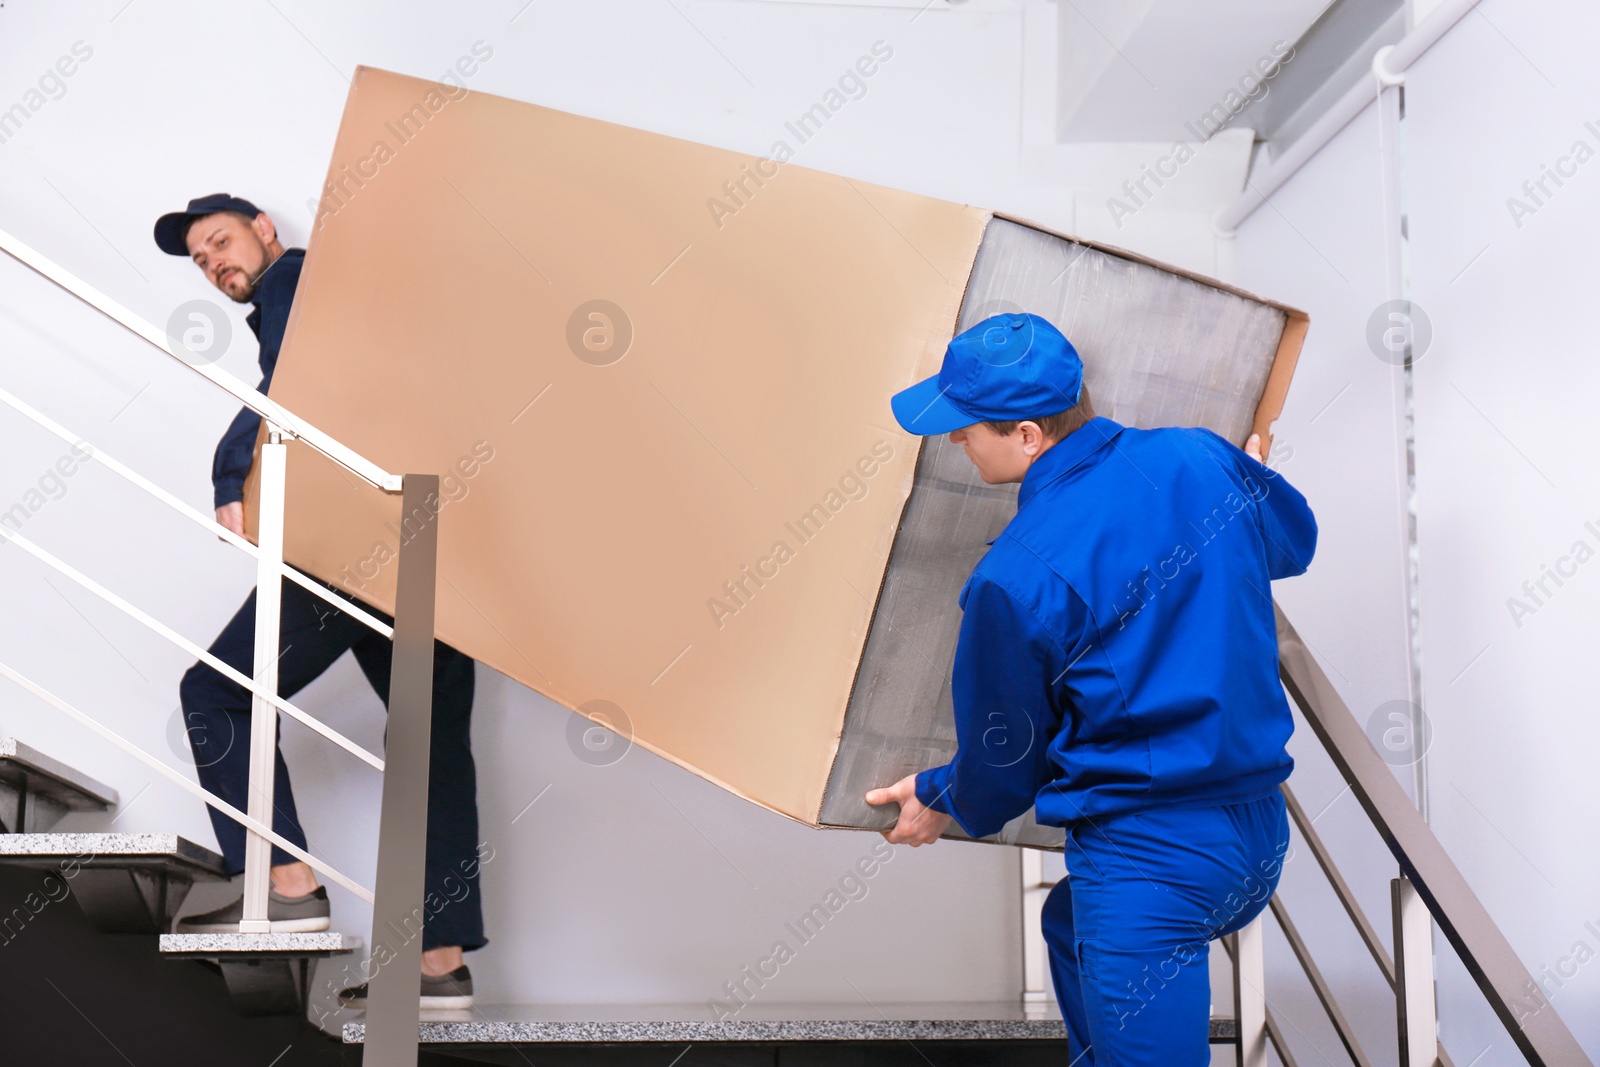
x=918, y=824
x=1252, y=448
x=231, y=517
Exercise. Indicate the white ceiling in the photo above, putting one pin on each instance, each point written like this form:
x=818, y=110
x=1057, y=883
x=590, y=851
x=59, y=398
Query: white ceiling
x=1137, y=70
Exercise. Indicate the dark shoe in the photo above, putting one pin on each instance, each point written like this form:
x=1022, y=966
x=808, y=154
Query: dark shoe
x=288, y=915
x=453, y=990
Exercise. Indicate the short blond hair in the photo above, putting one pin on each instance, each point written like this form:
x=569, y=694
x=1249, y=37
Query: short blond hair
x=1054, y=426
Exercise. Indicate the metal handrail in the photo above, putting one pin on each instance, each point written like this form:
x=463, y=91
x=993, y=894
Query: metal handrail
x=182, y=781
x=1541, y=1036
x=157, y=626
x=193, y=514
x=397, y=895
x=1358, y=918
x=1341, y=888
x=290, y=424
x=1319, y=984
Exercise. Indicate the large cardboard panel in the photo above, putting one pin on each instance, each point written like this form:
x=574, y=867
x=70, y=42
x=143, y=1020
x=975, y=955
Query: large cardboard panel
x=686, y=511
x=673, y=510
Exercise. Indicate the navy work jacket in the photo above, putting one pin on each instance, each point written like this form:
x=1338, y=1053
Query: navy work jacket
x=1118, y=651
x=274, y=293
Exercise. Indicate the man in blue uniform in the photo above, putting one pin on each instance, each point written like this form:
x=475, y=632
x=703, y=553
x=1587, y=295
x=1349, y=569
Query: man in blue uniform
x=1117, y=671
x=236, y=246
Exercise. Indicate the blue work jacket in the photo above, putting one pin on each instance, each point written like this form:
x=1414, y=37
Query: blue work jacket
x=235, y=452
x=1118, y=651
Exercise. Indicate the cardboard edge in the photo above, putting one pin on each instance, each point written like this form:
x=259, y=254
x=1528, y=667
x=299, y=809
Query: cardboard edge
x=877, y=600
x=1276, y=390
x=1139, y=257
x=695, y=771
x=1290, y=342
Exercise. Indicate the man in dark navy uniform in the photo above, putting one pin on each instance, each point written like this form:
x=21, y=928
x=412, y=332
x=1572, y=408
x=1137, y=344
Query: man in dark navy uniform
x=1116, y=671
x=236, y=247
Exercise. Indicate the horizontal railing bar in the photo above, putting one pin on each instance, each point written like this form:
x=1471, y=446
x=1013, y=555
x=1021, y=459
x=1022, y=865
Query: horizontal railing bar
x=183, y=782
x=1341, y=888
x=1538, y=1032
x=1319, y=984
x=256, y=401
x=189, y=646
x=310, y=585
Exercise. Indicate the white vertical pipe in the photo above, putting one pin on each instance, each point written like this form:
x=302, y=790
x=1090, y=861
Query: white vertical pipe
x=1391, y=165
x=263, y=716
x=1413, y=960
x=1394, y=63
x=1249, y=994
x=1389, y=171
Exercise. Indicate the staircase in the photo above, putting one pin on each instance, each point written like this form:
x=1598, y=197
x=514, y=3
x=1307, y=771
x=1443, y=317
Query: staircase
x=126, y=883
x=109, y=955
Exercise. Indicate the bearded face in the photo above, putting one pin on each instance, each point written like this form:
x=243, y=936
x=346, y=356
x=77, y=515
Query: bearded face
x=232, y=251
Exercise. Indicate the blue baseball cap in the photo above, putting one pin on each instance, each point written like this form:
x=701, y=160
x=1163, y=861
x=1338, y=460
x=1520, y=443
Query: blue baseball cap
x=173, y=228
x=1007, y=367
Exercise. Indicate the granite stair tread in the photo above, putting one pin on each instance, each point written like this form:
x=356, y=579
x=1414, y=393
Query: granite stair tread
x=112, y=850
x=214, y=946
x=770, y=1023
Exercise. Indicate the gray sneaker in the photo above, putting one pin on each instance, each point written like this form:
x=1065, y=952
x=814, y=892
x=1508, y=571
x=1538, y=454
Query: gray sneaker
x=447, y=991
x=288, y=915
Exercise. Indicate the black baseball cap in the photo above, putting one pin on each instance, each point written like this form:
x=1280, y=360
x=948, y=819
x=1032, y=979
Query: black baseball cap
x=171, y=229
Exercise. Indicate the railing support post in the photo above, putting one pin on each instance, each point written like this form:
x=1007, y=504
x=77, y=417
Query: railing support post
x=397, y=912
x=1037, y=995
x=1249, y=993
x=263, y=716
x=1413, y=988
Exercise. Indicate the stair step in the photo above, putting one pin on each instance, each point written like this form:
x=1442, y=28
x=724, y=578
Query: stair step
x=36, y=790
x=776, y=1024
x=119, y=850
x=266, y=974
x=125, y=883
x=233, y=946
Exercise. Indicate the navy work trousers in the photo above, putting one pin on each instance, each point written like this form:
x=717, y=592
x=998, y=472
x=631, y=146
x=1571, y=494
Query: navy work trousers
x=1130, y=929
x=216, y=713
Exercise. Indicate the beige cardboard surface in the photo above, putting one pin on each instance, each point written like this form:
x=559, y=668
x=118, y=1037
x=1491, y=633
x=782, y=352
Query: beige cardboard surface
x=693, y=533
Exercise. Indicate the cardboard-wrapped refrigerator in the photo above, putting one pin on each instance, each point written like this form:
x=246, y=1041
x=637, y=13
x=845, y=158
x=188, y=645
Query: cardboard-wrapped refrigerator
x=655, y=377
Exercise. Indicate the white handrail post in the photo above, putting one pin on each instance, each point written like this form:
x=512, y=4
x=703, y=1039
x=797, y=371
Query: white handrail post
x=263, y=716
x=1249, y=994
x=1413, y=976
x=1036, y=990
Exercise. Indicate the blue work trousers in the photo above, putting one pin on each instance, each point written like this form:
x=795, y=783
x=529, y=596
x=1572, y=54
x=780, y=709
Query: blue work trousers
x=1129, y=930
x=216, y=715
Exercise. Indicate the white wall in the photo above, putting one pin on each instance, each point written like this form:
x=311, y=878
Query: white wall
x=1318, y=245
x=1507, y=482
x=633, y=882
x=1505, y=485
